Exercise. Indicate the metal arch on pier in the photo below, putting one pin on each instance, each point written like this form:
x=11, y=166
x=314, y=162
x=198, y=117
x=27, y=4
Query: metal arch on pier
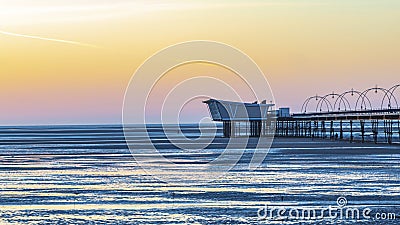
x=305, y=104
x=362, y=102
x=391, y=91
x=352, y=91
x=376, y=89
x=333, y=95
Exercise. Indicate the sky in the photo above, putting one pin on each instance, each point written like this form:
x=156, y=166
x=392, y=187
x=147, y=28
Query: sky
x=69, y=62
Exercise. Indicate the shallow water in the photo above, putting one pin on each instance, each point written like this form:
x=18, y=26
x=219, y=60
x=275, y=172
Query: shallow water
x=86, y=175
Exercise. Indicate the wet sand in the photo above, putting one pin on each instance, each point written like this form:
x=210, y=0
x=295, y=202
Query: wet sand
x=90, y=177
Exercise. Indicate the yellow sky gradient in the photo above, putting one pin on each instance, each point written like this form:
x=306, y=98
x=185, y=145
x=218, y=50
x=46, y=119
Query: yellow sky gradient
x=70, y=61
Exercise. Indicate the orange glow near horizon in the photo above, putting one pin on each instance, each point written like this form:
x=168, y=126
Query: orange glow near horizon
x=70, y=61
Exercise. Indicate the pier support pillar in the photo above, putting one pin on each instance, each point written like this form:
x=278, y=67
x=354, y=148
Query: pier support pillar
x=287, y=129
x=398, y=128
x=390, y=131
x=341, y=130
x=225, y=128
x=251, y=128
x=375, y=130
x=323, y=129
x=315, y=130
x=258, y=128
x=232, y=130
x=351, y=131
x=362, y=131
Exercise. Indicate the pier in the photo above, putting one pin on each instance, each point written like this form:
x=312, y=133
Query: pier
x=334, y=117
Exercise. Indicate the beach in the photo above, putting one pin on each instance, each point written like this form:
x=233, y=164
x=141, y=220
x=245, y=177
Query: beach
x=87, y=175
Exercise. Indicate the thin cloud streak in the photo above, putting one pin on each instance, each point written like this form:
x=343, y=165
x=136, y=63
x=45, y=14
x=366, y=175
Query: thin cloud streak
x=48, y=39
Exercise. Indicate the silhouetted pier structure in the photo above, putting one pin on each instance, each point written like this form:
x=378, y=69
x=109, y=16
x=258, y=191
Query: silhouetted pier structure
x=337, y=119
x=243, y=119
x=342, y=121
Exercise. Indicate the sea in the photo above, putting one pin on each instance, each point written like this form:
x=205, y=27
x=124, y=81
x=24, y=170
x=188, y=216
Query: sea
x=86, y=174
